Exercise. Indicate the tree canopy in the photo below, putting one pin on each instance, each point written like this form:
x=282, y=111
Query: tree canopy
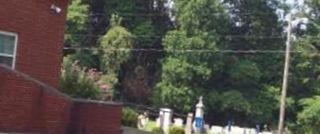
x=167, y=53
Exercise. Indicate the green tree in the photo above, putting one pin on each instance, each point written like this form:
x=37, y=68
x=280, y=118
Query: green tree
x=77, y=35
x=307, y=70
x=115, y=50
x=243, y=79
x=77, y=20
x=309, y=118
x=186, y=76
x=148, y=21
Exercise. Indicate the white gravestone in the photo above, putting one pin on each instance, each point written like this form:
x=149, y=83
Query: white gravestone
x=216, y=130
x=165, y=119
x=143, y=120
x=188, y=127
x=178, y=122
x=239, y=130
x=158, y=122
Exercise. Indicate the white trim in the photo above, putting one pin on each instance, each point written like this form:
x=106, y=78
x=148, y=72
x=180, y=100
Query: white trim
x=8, y=33
x=14, y=49
x=6, y=55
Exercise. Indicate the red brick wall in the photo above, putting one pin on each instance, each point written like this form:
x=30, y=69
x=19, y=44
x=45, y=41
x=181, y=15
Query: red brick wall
x=97, y=121
x=40, y=36
x=30, y=106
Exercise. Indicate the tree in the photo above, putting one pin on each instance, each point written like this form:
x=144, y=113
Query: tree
x=115, y=50
x=307, y=70
x=186, y=76
x=148, y=21
x=77, y=33
x=147, y=54
x=309, y=118
x=255, y=26
x=77, y=20
x=244, y=79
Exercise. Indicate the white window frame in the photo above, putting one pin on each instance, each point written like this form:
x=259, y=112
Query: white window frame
x=13, y=56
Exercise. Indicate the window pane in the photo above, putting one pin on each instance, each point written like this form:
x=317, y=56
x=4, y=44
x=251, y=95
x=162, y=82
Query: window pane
x=7, y=44
x=1, y=44
x=6, y=61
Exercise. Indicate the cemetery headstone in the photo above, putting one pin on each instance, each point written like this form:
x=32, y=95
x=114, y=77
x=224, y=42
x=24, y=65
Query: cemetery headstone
x=178, y=122
x=188, y=127
x=165, y=119
x=216, y=129
x=143, y=120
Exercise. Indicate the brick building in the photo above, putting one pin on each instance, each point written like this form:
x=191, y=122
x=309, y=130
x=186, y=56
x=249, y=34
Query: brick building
x=31, y=37
x=31, y=42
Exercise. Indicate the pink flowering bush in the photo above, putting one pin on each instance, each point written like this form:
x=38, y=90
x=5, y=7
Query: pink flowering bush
x=81, y=82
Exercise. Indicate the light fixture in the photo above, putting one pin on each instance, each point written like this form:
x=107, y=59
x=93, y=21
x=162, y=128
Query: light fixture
x=55, y=8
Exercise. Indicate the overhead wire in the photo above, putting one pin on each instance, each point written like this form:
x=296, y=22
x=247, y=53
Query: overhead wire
x=189, y=50
x=220, y=36
x=250, y=51
x=121, y=13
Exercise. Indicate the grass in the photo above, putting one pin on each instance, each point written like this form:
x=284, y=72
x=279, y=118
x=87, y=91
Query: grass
x=150, y=126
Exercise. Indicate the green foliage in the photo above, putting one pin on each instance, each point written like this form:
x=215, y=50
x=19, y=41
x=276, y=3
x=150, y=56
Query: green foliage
x=234, y=85
x=180, y=69
x=196, y=16
x=115, y=49
x=145, y=33
x=129, y=117
x=234, y=102
x=77, y=20
x=157, y=130
x=76, y=33
x=176, y=130
x=116, y=38
x=245, y=87
x=150, y=126
x=309, y=117
x=306, y=73
x=79, y=82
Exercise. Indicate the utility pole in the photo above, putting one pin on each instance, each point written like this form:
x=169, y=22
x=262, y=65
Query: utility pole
x=285, y=79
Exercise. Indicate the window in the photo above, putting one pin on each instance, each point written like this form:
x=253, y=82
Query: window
x=8, y=45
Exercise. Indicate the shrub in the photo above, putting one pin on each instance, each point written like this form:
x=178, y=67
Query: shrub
x=129, y=117
x=79, y=82
x=176, y=130
x=156, y=130
x=308, y=118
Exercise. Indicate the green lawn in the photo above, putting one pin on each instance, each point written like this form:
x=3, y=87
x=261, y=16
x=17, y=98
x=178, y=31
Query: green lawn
x=150, y=126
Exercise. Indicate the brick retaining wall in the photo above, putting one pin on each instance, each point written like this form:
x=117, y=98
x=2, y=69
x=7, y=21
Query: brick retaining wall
x=30, y=106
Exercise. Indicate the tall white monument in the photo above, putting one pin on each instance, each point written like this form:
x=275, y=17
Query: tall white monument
x=198, y=120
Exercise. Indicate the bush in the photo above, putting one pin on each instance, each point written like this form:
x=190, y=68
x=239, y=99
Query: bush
x=79, y=82
x=308, y=118
x=156, y=130
x=129, y=117
x=176, y=130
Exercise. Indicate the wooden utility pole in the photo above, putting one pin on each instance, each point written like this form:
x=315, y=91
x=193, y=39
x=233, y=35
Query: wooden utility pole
x=285, y=79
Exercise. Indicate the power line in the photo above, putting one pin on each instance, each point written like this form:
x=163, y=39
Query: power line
x=220, y=36
x=167, y=14
x=189, y=50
